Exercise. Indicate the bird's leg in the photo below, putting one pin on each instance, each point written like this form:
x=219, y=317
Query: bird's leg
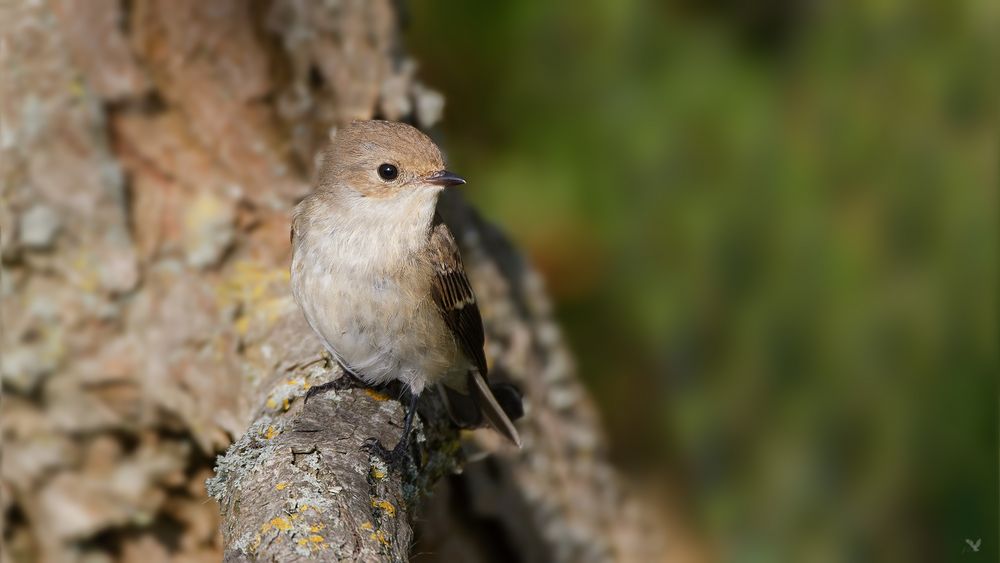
x=346, y=381
x=398, y=452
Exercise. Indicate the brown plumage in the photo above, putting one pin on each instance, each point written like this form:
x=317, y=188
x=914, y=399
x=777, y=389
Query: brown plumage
x=380, y=278
x=457, y=304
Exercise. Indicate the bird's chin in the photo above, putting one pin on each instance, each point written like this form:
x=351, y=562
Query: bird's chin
x=431, y=188
x=415, y=192
x=427, y=191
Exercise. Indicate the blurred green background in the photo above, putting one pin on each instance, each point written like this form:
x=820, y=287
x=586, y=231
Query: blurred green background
x=771, y=231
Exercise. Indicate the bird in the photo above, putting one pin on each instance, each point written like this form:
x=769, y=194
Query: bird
x=380, y=279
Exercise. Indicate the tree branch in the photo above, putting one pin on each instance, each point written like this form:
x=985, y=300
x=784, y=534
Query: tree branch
x=297, y=484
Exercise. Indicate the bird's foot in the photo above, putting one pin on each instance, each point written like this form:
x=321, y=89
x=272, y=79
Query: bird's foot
x=345, y=381
x=393, y=457
x=397, y=455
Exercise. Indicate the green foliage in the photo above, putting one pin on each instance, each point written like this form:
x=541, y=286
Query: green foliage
x=773, y=239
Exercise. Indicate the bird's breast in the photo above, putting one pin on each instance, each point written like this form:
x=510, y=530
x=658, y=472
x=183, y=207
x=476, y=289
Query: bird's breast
x=378, y=318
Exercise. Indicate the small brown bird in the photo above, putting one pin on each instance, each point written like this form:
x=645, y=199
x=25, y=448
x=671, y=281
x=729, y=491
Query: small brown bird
x=380, y=279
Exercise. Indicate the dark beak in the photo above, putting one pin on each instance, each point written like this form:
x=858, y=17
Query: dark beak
x=445, y=178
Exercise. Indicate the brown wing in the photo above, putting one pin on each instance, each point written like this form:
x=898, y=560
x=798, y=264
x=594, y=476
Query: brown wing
x=453, y=295
x=457, y=305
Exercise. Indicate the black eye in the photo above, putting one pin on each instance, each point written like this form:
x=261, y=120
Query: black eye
x=387, y=172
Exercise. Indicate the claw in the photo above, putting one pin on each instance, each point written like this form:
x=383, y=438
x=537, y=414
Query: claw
x=393, y=457
x=318, y=389
x=396, y=455
x=343, y=382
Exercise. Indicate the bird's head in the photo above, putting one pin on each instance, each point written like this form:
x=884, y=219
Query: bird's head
x=384, y=160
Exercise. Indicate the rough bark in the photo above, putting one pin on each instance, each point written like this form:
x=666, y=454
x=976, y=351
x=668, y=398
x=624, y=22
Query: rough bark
x=151, y=152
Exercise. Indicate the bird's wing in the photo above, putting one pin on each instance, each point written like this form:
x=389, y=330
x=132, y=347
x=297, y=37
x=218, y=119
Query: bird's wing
x=457, y=304
x=453, y=295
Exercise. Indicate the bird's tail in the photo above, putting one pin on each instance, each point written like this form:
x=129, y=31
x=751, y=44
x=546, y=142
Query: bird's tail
x=497, y=404
x=491, y=409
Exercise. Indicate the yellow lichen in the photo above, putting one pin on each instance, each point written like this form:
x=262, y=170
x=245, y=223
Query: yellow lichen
x=86, y=276
x=281, y=486
x=243, y=325
x=377, y=473
x=315, y=538
x=376, y=395
x=284, y=404
x=386, y=507
x=281, y=523
x=316, y=527
x=250, y=281
x=271, y=433
x=367, y=526
x=256, y=286
x=381, y=537
x=271, y=403
x=76, y=89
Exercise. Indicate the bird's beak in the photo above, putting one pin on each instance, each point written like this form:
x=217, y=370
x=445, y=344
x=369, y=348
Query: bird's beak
x=445, y=178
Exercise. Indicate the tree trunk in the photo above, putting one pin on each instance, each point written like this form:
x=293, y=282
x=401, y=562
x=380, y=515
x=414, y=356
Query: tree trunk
x=152, y=151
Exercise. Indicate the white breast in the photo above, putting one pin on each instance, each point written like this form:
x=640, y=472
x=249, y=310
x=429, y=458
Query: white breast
x=363, y=287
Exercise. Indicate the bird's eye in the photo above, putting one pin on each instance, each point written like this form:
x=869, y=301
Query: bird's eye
x=387, y=172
